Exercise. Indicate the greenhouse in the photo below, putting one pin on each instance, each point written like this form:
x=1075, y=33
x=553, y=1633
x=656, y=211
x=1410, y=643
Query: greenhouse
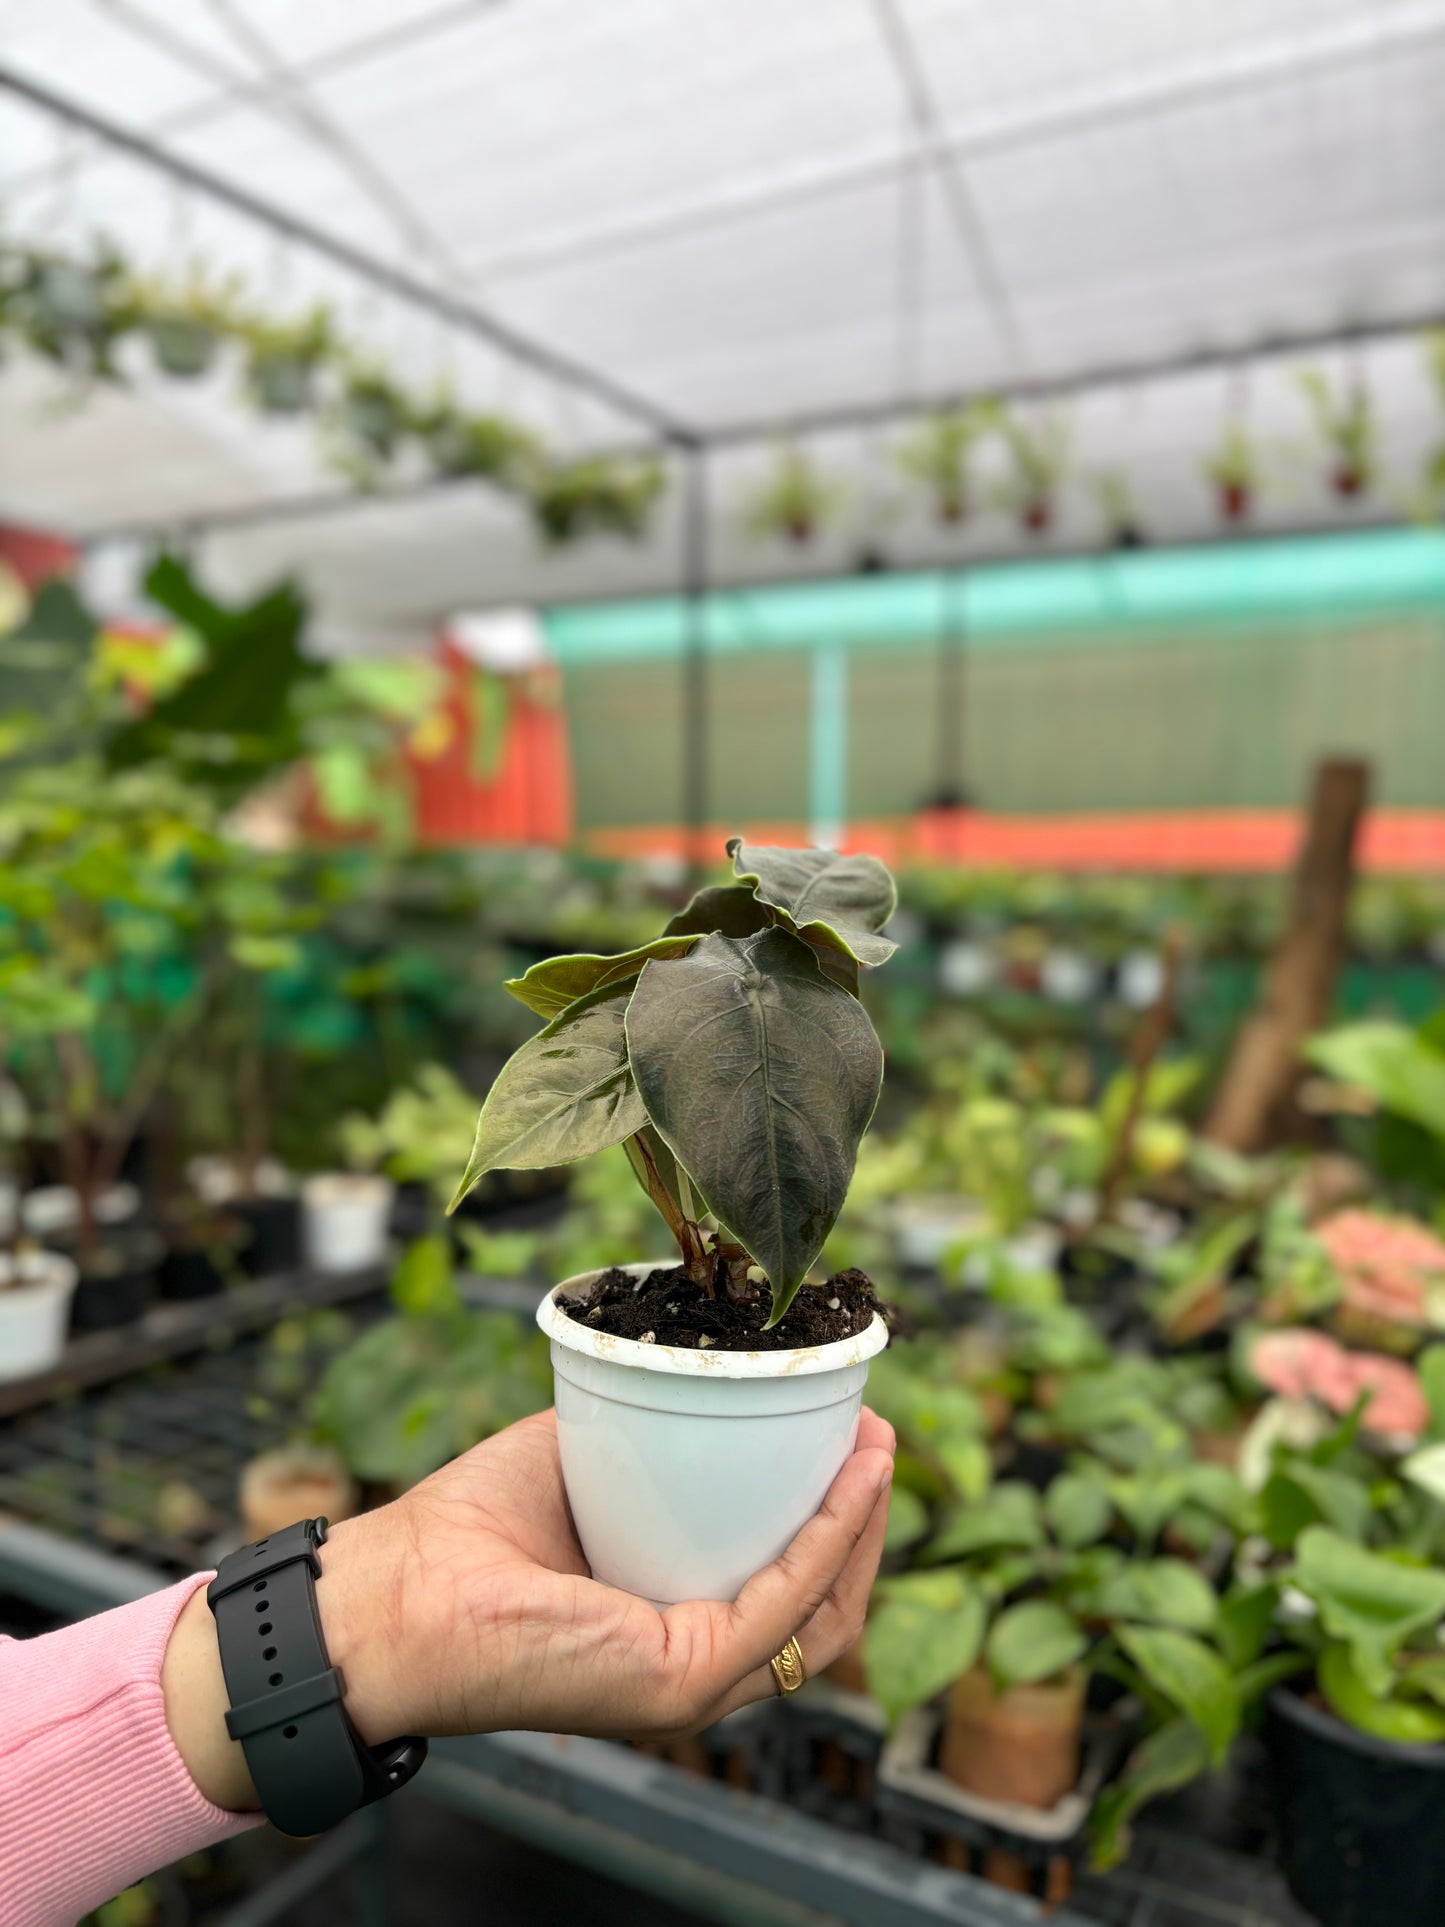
x=722, y=964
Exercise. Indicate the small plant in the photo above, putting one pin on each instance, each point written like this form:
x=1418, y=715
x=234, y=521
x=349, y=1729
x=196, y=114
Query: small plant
x=794, y=502
x=730, y=1057
x=594, y=496
x=485, y=446
x=283, y=357
x=1346, y=425
x=937, y=455
x=186, y=324
x=1233, y=468
x=1038, y=453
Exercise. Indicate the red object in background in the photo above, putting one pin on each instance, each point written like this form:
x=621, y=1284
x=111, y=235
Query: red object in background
x=34, y=555
x=528, y=799
x=1174, y=842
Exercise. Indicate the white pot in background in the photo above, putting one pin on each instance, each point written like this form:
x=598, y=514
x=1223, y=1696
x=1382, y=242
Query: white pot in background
x=926, y=1227
x=53, y=1209
x=34, y=1312
x=344, y=1220
x=688, y=1470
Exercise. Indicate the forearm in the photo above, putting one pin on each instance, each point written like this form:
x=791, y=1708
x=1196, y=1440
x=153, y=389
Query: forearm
x=94, y=1792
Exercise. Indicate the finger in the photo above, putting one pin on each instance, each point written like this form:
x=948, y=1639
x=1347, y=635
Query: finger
x=838, y=1622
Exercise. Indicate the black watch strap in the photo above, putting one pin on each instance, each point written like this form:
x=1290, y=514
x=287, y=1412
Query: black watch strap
x=308, y=1762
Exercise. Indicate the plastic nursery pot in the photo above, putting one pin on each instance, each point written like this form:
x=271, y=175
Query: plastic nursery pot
x=688, y=1470
x=201, y=1258
x=282, y=384
x=182, y=347
x=295, y=1482
x=274, y=1225
x=116, y=1283
x=925, y=1227
x=1022, y=1746
x=51, y=1212
x=1361, y=1820
x=345, y=1219
x=36, y=1288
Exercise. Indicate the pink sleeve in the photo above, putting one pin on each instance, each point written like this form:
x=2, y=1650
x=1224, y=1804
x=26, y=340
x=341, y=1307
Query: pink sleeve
x=93, y=1794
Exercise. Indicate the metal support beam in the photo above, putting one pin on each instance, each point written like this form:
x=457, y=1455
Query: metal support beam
x=695, y=787
x=393, y=281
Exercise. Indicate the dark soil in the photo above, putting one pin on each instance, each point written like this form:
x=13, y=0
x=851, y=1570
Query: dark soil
x=670, y=1308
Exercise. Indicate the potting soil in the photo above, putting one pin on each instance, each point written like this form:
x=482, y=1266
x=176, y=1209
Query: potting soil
x=669, y=1309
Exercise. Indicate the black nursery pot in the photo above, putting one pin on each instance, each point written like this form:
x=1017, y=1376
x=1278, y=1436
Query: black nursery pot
x=274, y=1228
x=116, y=1285
x=1361, y=1820
x=200, y=1260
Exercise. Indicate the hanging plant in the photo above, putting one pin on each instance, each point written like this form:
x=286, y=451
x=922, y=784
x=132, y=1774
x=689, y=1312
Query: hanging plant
x=1116, y=505
x=372, y=415
x=282, y=359
x=486, y=446
x=595, y=496
x=72, y=312
x=1233, y=468
x=1038, y=454
x=794, y=502
x=939, y=452
x=185, y=325
x=1346, y=425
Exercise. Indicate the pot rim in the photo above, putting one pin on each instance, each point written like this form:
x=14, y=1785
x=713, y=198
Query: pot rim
x=683, y=1360
x=62, y=1275
x=1330, y=1730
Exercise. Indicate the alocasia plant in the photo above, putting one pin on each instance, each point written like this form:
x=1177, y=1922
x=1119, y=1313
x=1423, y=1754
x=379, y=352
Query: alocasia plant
x=731, y=1057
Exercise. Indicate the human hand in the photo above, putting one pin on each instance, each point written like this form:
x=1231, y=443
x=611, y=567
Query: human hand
x=466, y=1606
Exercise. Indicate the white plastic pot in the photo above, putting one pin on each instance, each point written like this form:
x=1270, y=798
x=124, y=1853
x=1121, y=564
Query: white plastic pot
x=52, y=1210
x=36, y=1288
x=688, y=1470
x=345, y=1219
x=927, y=1227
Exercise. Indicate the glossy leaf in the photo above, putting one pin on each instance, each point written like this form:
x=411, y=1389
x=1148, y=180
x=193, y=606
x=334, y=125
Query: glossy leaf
x=1167, y=1760
x=925, y=1630
x=1036, y=1640
x=550, y=986
x=1351, y=1698
x=1373, y=1603
x=839, y=901
x=762, y=1076
x=1191, y=1676
x=566, y=1093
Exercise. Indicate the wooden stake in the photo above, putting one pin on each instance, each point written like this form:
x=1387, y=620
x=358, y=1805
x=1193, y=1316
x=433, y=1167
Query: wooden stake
x=1254, y=1105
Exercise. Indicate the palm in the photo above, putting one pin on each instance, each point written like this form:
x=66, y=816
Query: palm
x=508, y=1629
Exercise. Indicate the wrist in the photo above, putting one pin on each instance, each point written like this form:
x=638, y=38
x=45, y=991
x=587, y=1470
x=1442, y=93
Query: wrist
x=194, y=1689
x=357, y=1596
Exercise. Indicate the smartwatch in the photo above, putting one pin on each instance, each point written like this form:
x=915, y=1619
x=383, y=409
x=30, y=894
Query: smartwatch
x=309, y=1764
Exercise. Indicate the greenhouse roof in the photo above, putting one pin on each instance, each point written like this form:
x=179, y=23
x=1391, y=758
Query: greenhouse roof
x=739, y=215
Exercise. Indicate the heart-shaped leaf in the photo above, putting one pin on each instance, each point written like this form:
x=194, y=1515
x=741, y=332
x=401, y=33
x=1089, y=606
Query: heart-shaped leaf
x=721, y=910
x=1033, y=1641
x=838, y=901
x=1007, y=1518
x=924, y=1631
x=550, y=986
x=761, y=1075
x=1162, y=1592
x=1078, y=1510
x=566, y=1093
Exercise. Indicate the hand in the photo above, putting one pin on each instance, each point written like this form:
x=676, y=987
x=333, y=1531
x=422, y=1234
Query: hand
x=466, y=1606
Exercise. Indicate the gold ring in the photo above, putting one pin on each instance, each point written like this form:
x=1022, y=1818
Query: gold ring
x=788, y=1668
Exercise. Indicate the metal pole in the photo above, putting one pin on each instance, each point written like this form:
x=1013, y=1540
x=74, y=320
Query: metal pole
x=951, y=788
x=367, y=267
x=695, y=788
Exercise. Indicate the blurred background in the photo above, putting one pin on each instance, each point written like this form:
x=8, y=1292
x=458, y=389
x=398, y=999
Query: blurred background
x=460, y=461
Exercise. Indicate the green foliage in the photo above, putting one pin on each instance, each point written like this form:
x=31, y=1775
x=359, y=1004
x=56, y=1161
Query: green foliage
x=1371, y=1601
x=925, y=1629
x=1033, y=1641
x=794, y=501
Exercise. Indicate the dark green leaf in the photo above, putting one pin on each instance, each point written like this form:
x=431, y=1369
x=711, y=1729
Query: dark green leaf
x=550, y=986
x=762, y=1076
x=721, y=910
x=840, y=901
x=566, y=1093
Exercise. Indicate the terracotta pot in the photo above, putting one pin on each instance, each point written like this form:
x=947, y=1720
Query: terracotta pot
x=1022, y=1745
x=278, y=1488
